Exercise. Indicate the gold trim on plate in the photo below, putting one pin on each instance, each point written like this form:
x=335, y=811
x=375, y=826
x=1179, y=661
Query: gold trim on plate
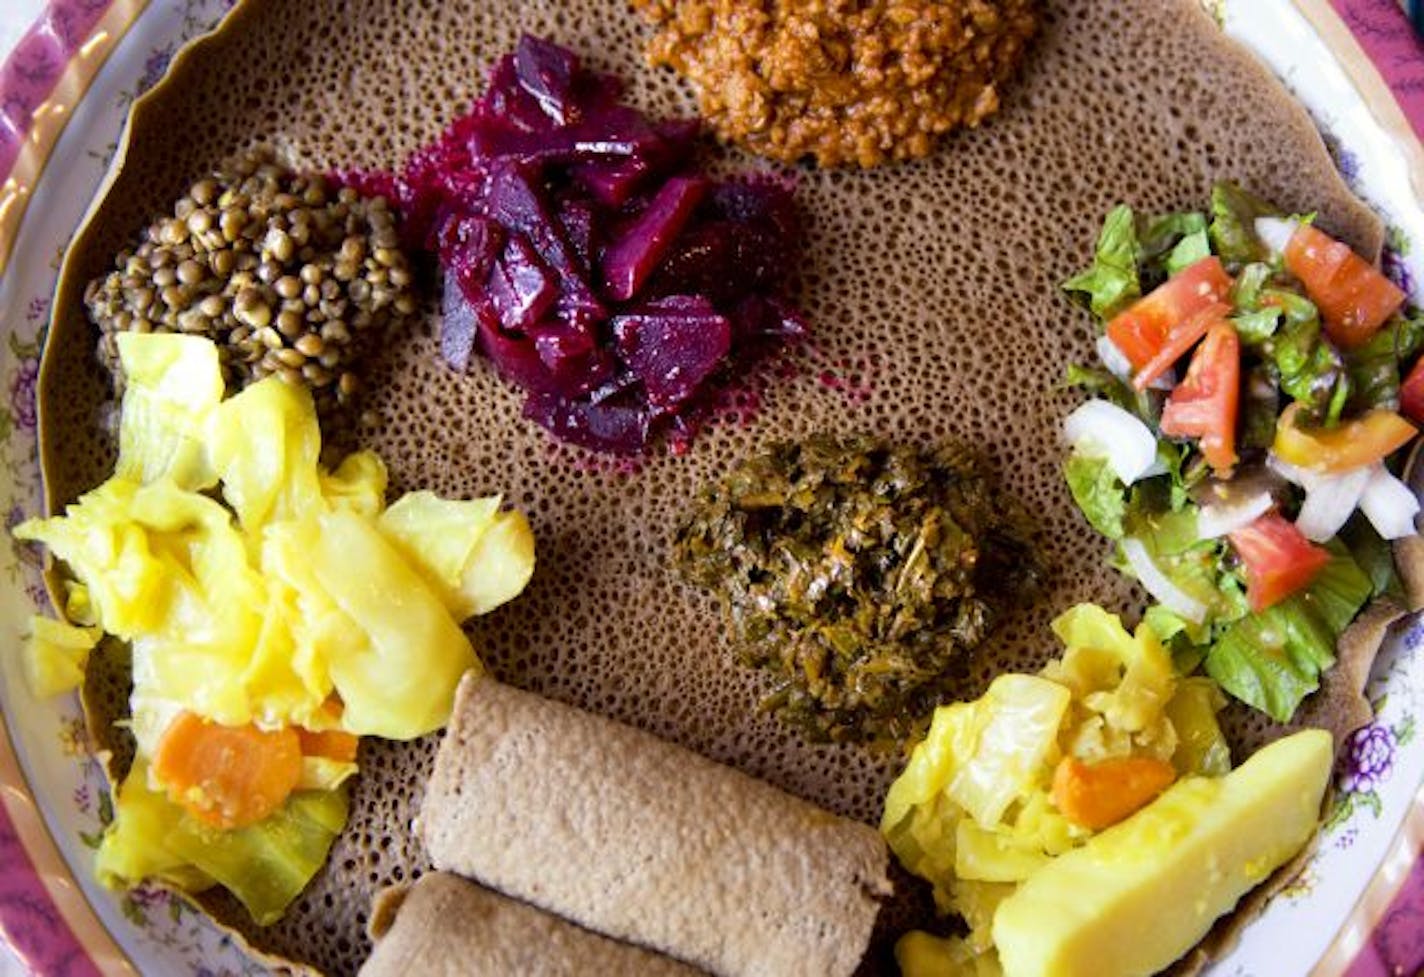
x=52, y=115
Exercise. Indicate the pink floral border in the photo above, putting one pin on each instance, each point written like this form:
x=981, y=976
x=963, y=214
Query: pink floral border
x=30, y=72
x=1397, y=945
x=29, y=920
x=1388, y=40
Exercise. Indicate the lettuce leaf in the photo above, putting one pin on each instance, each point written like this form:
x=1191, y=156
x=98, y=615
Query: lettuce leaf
x=1188, y=251
x=1273, y=659
x=1111, y=281
x=1170, y=242
x=1260, y=407
x=1373, y=554
x=1374, y=368
x=1308, y=367
x=1233, y=233
x=1100, y=495
x=1100, y=382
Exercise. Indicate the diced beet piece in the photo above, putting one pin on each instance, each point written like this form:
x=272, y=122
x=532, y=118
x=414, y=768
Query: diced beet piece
x=577, y=365
x=459, y=325
x=580, y=226
x=558, y=345
x=600, y=427
x=515, y=358
x=615, y=130
x=520, y=289
x=515, y=202
x=469, y=247
x=759, y=317
x=507, y=99
x=618, y=388
x=546, y=71
x=635, y=253
x=672, y=345
x=700, y=263
x=611, y=181
x=678, y=136
x=747, y=201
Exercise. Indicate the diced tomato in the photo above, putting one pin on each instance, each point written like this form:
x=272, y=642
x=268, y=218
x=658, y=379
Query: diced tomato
x=1180, y=339
x=1142, y=328
x=1411, y=394
x=1204, y=404
x=1353, y=296
x=1279, y=560
x=1365, y=440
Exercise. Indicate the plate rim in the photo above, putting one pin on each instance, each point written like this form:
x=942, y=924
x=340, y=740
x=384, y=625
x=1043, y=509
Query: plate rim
x=79, y=941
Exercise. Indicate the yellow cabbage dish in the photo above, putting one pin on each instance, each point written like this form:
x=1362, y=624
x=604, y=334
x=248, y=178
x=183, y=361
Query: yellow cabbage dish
x=973, y=811
x=258, y=589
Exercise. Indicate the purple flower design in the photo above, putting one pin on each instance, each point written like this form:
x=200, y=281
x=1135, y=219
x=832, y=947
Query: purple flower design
x=154, y=67
x=1369, y=760
x=149, y=897
x=22, y=393
x=1397, y=269
x=1346, y=160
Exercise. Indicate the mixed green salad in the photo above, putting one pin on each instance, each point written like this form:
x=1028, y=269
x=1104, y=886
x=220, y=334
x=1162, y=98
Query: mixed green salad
x=1241, y=445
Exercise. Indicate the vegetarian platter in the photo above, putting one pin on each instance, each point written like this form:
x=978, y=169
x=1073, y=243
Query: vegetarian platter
x=922, y=486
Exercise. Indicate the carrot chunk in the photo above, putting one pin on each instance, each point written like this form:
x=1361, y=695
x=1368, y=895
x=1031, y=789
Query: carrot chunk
x=333, y=744
x=227, y=776
x=1098, y=795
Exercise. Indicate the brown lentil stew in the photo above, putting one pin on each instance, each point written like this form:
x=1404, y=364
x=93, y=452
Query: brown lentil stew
x=861, y=574
x=844, y=81
x=286, y=273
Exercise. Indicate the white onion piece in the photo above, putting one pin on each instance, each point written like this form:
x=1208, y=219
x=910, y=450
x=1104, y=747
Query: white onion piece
x=1389, y=504
x=1330, y=500
x=1219, y=518
x=1120, y=366
x=1166, y=593
x=1296, y=475
x=1100, y=429
x=1275, y=232
x=1114, y=358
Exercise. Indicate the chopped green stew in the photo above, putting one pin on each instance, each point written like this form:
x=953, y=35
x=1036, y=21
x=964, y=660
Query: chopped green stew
x=861, y=574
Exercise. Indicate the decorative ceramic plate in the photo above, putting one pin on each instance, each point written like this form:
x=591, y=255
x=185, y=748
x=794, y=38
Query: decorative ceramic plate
x=1358, y=907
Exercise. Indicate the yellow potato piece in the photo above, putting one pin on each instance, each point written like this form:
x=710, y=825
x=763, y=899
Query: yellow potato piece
x=1140, y=894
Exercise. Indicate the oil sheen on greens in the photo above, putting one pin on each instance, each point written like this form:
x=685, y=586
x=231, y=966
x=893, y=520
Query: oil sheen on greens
x=862, y=575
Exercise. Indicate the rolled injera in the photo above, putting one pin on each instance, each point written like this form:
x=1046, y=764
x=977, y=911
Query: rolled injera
x=444, y=926
x=644, y=841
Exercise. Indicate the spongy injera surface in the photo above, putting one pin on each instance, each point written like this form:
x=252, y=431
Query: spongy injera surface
x=932, y=288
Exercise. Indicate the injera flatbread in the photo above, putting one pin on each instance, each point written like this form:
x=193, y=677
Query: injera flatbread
x=444, y=926
x=644, y=841
x=932, y=287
